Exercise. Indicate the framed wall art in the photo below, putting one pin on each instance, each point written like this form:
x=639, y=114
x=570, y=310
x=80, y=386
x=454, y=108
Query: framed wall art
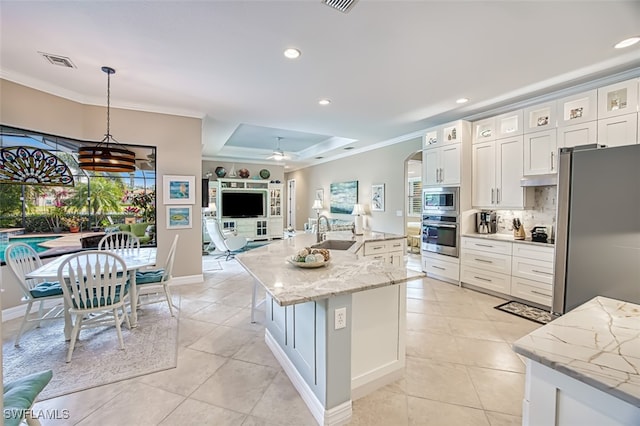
x=179, y=217
x=179, y=189
x=377, y=197
x=320, y=195
x=343, y=196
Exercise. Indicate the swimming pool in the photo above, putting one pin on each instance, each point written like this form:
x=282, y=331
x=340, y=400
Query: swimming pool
x=32, y=241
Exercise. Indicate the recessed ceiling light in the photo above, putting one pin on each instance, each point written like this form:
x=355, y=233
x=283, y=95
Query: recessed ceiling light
x=348, y=148
x=324, y=101
x=462, y=101
x=319, y=158
x=627, y=42
x=292, y=53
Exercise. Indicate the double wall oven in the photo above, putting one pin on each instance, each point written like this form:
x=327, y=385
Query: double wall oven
x=440, y=221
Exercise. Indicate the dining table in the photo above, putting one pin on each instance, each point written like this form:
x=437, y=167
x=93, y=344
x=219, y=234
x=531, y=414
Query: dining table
x=134, y=260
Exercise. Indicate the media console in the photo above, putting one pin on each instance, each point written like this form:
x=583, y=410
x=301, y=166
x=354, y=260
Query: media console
x=253, y=208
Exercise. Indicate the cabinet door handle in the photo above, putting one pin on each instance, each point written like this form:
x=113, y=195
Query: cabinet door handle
x=497, y=195
x=541, y=272
x=482, y=279
x=437, y=267
x=540, y=293
x=441, y=175
x=484, y=245
x=483, y=260
x=552, y=160
x=491, y=195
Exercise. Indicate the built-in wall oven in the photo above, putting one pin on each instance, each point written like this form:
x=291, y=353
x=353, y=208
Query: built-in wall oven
x=440, y=226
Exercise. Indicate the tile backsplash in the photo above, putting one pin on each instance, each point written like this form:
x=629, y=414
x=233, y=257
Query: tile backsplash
x=543, y=213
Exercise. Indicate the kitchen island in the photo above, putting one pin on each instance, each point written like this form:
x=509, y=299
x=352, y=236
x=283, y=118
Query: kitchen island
x=583, y=368
x=337, y=330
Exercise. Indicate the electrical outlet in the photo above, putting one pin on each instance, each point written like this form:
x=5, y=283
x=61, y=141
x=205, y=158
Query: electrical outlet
x=340, y=320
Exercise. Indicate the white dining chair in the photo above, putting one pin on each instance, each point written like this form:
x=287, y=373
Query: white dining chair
x=23, y=259
x=95, y=289
x=150, y=282
x=120, y=240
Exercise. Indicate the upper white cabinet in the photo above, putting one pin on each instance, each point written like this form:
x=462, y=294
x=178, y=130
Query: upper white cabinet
x=618, y=99
x=618, y=130
x=442, y=158
x=509, y=124
x=497, y=170
x=577, y=109
x=540, y=117
x=578, y=134
x=484, y=130
x=540, y=151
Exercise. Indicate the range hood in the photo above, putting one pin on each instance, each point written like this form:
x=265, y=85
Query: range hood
x=540, y=180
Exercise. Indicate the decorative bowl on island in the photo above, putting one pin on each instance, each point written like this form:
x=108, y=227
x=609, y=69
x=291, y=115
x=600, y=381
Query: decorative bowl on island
x=310, y=258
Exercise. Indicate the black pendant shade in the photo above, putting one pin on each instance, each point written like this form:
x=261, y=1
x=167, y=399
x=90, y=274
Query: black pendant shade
x=104, y=157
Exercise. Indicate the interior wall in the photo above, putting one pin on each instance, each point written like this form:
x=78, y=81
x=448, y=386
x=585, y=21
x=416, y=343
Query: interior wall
x=178, y=141
x=384, y=165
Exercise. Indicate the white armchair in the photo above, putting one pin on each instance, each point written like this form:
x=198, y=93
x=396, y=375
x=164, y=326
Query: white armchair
x=227, y=244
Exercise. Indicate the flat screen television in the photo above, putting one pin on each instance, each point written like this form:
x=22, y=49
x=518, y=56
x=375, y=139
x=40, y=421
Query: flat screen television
x=242, y=204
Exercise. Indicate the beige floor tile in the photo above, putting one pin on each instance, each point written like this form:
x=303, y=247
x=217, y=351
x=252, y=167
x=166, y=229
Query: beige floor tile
x=436, y=346
x=242, y=319
x=500, y=391
x=279, y=394
x=459, y=296
x=214, y=295
x=380, y=408
x=441, y=381
x=474, y=328
x=433, y=413
x=237, y=385
x=189, y=330
x=137, y=404
x=257, y=352
x=516, y=328
x=216, y=313
x=223, y=341
x=425, y=322
x=194, y=368
x=454, y=310
x=489, y=354
x=421, y=293
x=501, y=419
x=189, y=306
x=192, y=412
x=256, y=421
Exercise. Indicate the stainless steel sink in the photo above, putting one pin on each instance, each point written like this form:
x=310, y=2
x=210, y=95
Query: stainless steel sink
x=334, y=244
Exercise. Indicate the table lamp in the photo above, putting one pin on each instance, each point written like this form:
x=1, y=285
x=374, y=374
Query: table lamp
x=358, y=211
x=317, y=206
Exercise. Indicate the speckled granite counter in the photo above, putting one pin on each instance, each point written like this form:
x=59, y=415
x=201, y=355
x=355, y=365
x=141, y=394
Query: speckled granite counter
x=505, y=237
x=597, y=343
x=347, y=272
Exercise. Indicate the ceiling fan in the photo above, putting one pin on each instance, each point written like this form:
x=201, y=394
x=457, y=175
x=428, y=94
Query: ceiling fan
x=278, y=154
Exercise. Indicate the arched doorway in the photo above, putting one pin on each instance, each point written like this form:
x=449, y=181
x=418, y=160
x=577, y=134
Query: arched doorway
x=413, y=211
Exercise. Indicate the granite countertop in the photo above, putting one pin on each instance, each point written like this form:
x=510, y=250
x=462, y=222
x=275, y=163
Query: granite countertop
x=507, y=237
x=346, y=272
x=597, y=343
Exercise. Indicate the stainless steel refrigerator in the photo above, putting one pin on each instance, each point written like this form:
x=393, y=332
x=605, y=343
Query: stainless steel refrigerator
x=597, y=226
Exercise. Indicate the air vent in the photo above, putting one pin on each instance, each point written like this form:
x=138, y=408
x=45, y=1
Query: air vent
x=61, y=61
x=342, y=5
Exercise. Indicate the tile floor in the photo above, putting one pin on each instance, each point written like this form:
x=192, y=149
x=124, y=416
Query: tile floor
x=460, y=367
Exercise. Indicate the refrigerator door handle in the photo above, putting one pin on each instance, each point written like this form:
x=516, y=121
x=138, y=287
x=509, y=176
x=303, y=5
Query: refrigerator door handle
x=562, y=227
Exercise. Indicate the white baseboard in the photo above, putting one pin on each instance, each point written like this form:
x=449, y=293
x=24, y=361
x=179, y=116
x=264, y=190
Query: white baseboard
x=187, y=279
x=335, y=416
x=377, y=378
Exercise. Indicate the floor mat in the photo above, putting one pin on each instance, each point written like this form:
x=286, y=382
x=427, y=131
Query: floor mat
x=527, y=312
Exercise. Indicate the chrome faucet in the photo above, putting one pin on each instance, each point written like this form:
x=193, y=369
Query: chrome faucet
x=320, y=235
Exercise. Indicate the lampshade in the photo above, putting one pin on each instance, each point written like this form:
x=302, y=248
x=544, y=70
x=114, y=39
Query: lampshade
x=212, y=207
x=103, y=157
x=317, y=205
x=358, y=210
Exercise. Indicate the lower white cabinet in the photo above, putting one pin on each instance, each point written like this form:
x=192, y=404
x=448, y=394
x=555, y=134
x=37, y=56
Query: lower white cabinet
x=389, y=251
x=441, y=266
x=489, y=280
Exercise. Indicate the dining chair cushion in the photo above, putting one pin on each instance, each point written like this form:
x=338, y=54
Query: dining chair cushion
x=20, y=394
x=46, y=289
x=146, y=277
x=95, y=302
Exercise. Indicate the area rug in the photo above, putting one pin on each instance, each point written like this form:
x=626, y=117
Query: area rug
x=527, y=312
x=96, y=359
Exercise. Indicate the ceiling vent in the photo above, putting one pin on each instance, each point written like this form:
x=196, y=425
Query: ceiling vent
x=342, y=5
x=61, y=61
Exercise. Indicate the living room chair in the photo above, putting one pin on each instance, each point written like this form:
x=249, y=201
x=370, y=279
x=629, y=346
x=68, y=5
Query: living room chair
x=94, y=289
x=149, y=282
x=23, y=259
x=120, y=240
x=227, y=244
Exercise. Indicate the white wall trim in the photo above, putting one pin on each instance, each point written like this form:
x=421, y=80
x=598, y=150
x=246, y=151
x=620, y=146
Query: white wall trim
x=187, y=279
x=338, y=415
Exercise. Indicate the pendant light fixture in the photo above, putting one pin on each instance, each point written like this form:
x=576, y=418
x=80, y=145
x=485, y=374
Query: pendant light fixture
x=104, y=157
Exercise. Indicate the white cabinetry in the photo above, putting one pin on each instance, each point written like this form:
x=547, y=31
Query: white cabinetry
x=389, y=251
x=618, y=99
x=484, y=130
x=442, y=267
x=578, y=134
x=540, y=150
x=276, y=219
x=497, y=170
x=540, y=117
x=532, y=273
x=509, y=124
x=577, y=109
x=618, y=130
x=442, y=158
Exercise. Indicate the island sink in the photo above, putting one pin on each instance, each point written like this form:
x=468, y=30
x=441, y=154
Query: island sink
x=334, y=244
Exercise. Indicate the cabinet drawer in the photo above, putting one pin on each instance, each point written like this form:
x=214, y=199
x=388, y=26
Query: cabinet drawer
x=492, y=246
x=532, y=291
x=531, y=251
x=396, y=246
x=375, y=248
x=494, y=281
x=538, y=270
x=441, y=268
x=487, y=261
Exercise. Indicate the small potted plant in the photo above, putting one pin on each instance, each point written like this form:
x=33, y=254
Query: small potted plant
x=72, y=222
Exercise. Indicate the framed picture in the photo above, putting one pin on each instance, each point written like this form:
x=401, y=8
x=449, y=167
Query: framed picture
x=179, y=217
x=377, y=197
x=320, y=195
x=179, y=189
x=343, y=196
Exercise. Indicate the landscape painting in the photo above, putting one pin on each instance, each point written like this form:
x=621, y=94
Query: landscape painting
x=343, y=196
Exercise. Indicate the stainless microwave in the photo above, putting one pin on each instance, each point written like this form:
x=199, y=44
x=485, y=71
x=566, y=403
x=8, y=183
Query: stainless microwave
x=443, y=199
